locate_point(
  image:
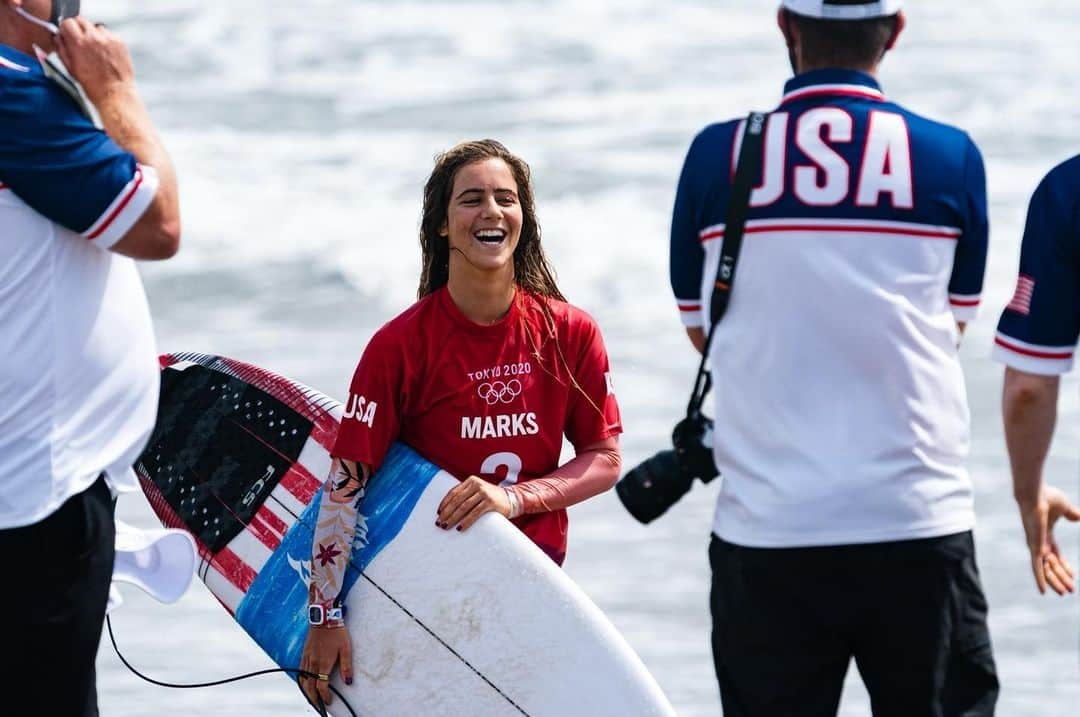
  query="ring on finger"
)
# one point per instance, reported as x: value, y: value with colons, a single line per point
x: 323, y: 677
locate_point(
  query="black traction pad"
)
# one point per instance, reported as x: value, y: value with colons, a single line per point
x: 219, y: 448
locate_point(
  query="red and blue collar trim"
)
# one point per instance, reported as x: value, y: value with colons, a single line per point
x: 832, y: 83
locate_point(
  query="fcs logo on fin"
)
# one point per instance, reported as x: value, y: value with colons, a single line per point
x: 257, y: 487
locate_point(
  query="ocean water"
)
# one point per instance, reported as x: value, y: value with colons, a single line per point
x: 303, y: 133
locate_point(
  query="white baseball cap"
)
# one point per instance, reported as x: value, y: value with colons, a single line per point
x: 844, y: 9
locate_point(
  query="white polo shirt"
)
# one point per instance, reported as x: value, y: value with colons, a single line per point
x: 841, y: 412
x: 78, y: 368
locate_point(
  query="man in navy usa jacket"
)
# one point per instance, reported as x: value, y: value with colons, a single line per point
x: 843, y: 529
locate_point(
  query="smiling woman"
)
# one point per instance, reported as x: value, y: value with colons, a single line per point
x: 467, y: 185
x: 483, y: 376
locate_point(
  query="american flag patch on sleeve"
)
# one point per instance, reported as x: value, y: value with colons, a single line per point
x: 1021, y: 301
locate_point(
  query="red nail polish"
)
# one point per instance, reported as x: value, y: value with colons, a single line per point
x: 459, y: 529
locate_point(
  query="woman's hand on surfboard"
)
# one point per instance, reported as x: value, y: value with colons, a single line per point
x: 470, y: 499
x: 324, y: 648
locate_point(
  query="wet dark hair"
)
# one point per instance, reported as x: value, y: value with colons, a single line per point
x: 851, y: 44
x: 532, y: 270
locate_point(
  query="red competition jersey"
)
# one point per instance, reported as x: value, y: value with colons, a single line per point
x: 490, y: 401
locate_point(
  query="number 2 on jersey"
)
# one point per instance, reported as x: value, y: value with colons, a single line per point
x: 512, y: 463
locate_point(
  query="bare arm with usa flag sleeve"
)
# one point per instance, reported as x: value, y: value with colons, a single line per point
x: 1036, y: 341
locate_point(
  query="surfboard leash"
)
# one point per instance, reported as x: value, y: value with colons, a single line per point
x: 320, y: 707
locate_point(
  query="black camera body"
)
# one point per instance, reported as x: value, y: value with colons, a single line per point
x: 657, y: 483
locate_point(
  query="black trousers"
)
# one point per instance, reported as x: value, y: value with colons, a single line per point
x: 788, y: 622
x: 57, y: 586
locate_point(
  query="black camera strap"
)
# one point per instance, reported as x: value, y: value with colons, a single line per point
x: 747, y: 171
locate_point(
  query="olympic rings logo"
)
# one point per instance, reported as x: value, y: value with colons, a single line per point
x: 499, y: 392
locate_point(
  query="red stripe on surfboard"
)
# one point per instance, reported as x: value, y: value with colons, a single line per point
x: 272, y: 521
x: 260, y: 528
x: 233, y: 568
x: 299, y: 481
x: 325, y: 432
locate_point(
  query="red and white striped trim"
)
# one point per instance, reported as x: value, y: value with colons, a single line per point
x: 690, y: 312
x: 126, y: 209
x: 1034, y: 350
x: 1033, y: 358
x: 687, y: 307
x: 965, y: 300
x: 861, y: 91
x: 839, y: 226
x: 965, y: 307
x: 6, y: 63
x: 716, y: 231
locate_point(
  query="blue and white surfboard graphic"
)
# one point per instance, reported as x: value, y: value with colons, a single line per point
x: 274, y: 610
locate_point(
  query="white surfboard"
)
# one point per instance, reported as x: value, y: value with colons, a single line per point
x: 448, y: 623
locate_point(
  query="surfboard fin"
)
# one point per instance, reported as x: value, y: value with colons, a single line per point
x: 159, y: 562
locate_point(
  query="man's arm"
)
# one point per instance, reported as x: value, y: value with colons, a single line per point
x: 102, y: 65
x: 1029, y: 410
x: 697, y: 337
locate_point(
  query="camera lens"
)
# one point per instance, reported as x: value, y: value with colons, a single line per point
x: 649, y: 489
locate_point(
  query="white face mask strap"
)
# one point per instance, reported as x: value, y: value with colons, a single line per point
x: 44, y: 24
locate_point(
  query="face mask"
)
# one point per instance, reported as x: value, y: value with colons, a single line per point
x: 61, y: 10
